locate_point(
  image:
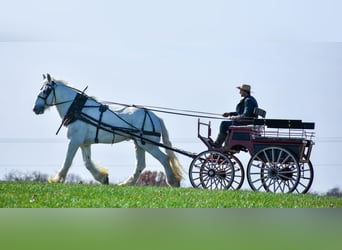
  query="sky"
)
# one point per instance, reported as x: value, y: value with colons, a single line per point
x: 179, y: 54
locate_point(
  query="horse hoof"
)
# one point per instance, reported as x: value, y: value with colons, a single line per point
x: 55, y: 179
x: 125, y: 184
x: 106, y: 181
x: 175, y: 184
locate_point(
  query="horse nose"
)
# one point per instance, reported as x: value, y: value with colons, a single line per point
x: 37, y: 110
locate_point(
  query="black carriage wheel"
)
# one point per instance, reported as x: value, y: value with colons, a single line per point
x: 239, y: 173
x: 273, y: 169
x: 306, y: 178
x: 211, y: 170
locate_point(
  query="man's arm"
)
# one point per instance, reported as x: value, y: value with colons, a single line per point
x: 227, y: 114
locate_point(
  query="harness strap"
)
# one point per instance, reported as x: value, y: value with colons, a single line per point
x: 143, y: 126
x: 103, y: 108
x: 147, y: 114
x: 111, y: 129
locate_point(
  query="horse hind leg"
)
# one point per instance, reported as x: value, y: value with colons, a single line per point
x: 140, y: 166
x: 100, y: 174
x: 171, y: 178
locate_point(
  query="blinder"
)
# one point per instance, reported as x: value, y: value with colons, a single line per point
x: 46, y: 92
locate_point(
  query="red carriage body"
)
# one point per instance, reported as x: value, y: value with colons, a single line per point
x: 280, y: 153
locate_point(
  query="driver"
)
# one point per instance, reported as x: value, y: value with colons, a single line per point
x: 244, y: 112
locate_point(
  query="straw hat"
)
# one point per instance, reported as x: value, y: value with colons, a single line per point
x: 245, y: 87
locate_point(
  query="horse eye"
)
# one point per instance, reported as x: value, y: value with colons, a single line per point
x: 46, y: 90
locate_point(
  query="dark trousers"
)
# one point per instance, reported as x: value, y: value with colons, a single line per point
x: 224, y: 127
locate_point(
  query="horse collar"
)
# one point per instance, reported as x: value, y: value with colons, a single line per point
x: 74, y: 110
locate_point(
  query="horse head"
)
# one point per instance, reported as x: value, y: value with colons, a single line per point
x: 46, y: 96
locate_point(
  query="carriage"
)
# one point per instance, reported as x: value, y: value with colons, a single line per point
x: 280, y: 149
x: 280, y: 152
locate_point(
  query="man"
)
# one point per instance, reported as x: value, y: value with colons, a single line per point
x: 242, y: 116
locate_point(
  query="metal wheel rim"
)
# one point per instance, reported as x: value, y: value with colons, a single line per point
x: 211, y: 170
x: 239, y: 173
x: 273, y: 169
x: 306, y: 178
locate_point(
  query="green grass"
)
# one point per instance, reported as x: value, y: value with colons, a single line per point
x: 166, y: 229
x: 44, y: 195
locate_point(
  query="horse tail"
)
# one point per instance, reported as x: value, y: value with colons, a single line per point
x: 175, y: 165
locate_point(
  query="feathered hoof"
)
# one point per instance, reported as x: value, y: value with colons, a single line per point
x: 126, y: 183
x: 55, y: 179
x: 103, y: 176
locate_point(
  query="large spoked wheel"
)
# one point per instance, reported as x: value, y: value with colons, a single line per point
x: 239, y: 173
x: 273, y: 169
x: 306, y: 178
x: 211, y: 170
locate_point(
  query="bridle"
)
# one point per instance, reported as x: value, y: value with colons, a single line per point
x: 51, y: 88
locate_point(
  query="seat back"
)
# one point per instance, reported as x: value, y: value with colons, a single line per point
x: 260, y: 112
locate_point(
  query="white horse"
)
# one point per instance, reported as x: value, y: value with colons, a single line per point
x: 88, y: 121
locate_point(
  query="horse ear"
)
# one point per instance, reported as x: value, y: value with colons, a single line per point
x: 48, y: 77
x: 44, y: 77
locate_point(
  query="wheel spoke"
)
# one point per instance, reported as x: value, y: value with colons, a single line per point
x: 286, y: 158
x: 279, y: 156
x: 273, y: 155
x: 264, y: 179
x: 266, y: 156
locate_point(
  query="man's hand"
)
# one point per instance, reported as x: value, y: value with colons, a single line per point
x: 226, y: 114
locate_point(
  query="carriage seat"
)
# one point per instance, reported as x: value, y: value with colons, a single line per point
x: 259, y: 112
x: 285, y: 124
x: 286, y: 128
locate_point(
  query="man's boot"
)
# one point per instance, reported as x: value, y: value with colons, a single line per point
x: 219, y: 140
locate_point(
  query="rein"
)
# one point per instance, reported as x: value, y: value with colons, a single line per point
x: 173, y: 111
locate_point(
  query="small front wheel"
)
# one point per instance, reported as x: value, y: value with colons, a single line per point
x: 211, y: 170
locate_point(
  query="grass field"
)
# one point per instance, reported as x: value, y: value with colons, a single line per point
x: 149, y: 229
x: 44, y: 195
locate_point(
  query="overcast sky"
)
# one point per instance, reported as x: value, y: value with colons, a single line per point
x: 180, y: 54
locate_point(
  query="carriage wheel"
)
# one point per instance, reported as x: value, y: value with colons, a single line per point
x: 273, y: 169
x: 239, y: 172
x: 306, y: 178
x: 211, y: 170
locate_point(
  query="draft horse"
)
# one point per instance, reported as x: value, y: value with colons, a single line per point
x: 89, y: 121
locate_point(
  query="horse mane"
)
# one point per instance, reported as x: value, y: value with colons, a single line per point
x: 65, y: 83
x: 62, y: 82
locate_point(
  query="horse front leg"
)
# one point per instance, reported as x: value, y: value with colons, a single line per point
x: 100, y: 174
x: 61, y: 174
